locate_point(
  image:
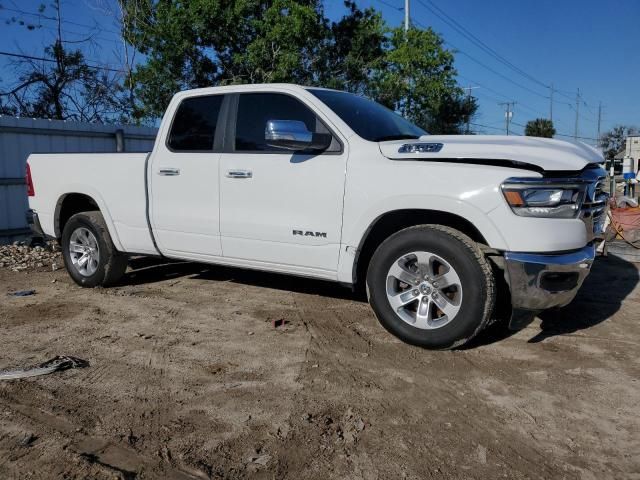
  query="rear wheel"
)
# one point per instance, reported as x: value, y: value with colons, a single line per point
x: 88, y: 251
x: 431, y: 286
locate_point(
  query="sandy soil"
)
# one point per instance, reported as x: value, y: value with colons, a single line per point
x: 190, y: 379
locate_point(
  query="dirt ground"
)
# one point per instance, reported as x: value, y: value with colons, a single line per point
x: 190, y: 379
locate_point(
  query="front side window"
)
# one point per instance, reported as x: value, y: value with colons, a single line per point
x: 194, y: 126
x: 256, y: 109
x: 368, y: 119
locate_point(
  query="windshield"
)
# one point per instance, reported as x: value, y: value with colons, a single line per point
x: 368, y: 119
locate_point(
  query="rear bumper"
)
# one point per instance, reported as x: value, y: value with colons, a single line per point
x: 542, y: 281
x: 34, y: 223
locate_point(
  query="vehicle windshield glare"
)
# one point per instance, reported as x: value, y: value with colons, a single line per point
x: 368, y: 119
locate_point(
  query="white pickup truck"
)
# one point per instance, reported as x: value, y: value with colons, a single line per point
x: 327, y: 184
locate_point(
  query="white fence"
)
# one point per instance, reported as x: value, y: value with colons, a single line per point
x: 20, y: 137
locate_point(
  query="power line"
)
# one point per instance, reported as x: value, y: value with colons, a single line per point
x: 504, y: 97
x: 485, y: 87
x: 87, y: 34
x: 466, y: 33
x: 524, y: 105
x: 496, y: 72
x: 44, y: 59
x: 442, y: 15
x: 46, y: 17
x: 560, y: 134
x: 494, y: 128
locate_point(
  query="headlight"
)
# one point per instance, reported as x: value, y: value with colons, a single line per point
x: 544, y: 200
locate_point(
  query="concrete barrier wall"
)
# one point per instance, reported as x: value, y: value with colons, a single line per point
x: 19, y: 137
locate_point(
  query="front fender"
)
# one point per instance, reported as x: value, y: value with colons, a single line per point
x: 355, y: 233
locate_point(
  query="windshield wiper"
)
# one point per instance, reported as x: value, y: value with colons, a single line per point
x: 395, y: 137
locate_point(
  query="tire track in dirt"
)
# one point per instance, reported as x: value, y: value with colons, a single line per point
x: 103, y: 452
x: 329, y: 395
x: 335, y: 339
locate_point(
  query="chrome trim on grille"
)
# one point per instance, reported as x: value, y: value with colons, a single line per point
x: 594, y: 208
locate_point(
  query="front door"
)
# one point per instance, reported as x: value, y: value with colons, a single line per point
x: 280, y: 207
x: 184, y: 182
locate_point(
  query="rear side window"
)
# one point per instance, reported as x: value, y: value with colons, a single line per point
x: 194, y: 126
x: 255, y: 109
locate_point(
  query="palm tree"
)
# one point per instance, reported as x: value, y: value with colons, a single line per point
x: 540, y: 127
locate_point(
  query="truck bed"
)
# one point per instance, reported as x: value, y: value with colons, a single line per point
x: 116, y: 181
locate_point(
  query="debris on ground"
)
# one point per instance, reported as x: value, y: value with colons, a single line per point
x: 624, y: 233
x: 27, y: 440
x: 20, y: 256
x: 262, y: 460
x: 281, y: 322
x: 56, y: 364
x: 625, y: 201
x: 22, y: 293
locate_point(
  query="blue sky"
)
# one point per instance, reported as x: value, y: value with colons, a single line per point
x: 588, y: 44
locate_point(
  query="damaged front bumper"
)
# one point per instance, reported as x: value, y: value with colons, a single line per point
x: 542, y: 281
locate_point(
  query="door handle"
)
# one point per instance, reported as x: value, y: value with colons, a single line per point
x: 239, y: 174
x: 169, y: 172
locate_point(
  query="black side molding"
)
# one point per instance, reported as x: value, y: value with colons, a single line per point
x: 495, y: 162
x: 146, y: 196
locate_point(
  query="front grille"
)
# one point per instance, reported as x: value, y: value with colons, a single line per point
x: 594, y: 208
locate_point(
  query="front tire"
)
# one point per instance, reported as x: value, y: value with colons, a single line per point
x: 88, y: 251
x: 431, y: 286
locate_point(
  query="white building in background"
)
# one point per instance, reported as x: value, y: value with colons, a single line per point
x: 631, y: 157
x: 633, y: 147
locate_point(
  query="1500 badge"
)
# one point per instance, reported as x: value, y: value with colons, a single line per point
x: 308, y: 233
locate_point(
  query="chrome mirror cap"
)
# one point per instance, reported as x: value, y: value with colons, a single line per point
x: 288, y: 134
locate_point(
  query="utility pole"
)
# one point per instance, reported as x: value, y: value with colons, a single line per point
x: 551, y: 103
x: 508, y: 114
x: 575, y: 133
x: 599, y: 121
x: 468, y: 89
x: 406, y: 16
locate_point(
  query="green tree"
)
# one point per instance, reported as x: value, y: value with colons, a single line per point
x: 213, y: 42
x: 61, y: 85
x: 540, y: 127
x: 285, y: 46
x: 417, y: 79
x: 353, y: 49
x: 615, y: 139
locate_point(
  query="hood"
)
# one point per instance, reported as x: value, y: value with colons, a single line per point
x: 542, y: 153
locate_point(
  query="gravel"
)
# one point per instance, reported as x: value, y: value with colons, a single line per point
x: 20, y: 256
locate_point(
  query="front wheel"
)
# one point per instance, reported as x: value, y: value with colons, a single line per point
x: 431, y: 286
x: 89, y: 254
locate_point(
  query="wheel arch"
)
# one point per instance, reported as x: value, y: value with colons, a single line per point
x: 393, y: 221
x: 71, y: 203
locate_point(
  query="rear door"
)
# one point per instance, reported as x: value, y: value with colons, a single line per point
x: 184, y: 180
x: 280, y: 207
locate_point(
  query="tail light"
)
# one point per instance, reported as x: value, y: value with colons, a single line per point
x: 30, y: 190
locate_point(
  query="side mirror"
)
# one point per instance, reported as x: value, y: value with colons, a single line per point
x: 293, y: 135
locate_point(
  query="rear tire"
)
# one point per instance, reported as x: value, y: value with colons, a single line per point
x: 449, y: 292
x: 88, y: 251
